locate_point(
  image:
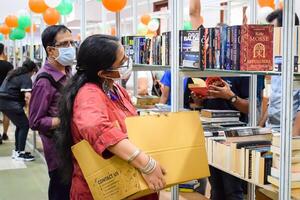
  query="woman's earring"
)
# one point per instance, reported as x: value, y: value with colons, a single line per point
x: 105, y: 86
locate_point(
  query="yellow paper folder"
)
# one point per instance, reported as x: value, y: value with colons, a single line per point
x: 175, y: 140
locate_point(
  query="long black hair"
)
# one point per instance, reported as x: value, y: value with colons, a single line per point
x: 97, y: 52
x: 27, y: 66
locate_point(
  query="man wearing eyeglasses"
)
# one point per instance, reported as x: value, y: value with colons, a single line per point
x: 59, y: 46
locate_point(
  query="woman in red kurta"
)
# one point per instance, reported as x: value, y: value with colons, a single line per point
x: 94, y: 108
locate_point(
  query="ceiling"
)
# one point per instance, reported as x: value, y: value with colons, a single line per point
x: 11, y: 7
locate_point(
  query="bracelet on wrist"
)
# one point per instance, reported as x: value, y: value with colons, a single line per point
x: 150, y: 167
x: 134, y: 156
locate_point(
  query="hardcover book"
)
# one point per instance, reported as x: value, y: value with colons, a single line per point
x: 203, y: 47
x: 189, y: 54
x: 219, y: 113
x: 228, y: 61
x: 167, y: 36
x: 236, y: 47
x: 210, y: 54
x: 128, y: 43
x: 223, y: 41
x: 217, y: 43
x: 256, y: 48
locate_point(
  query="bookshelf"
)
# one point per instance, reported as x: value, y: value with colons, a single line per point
x: 268, y: 187
x: 144, y: 67
x: 289, y: 80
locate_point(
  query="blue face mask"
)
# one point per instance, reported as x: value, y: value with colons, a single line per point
x: 66, y: 56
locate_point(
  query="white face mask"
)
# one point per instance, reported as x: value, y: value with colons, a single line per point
x: 66, y: 56
x: 124, y: 71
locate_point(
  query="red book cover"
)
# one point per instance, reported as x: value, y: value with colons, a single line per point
x: 256, y: 48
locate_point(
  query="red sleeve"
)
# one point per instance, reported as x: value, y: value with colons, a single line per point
x: 91, y: 117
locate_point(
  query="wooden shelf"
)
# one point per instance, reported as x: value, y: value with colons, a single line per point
x: 268, y: 187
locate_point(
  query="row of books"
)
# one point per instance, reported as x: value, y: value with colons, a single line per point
x: 246, y: 48
x: 223, y: 118
x: 295, y: 166
x: 278, y: 44
x: 153, y: 51
x: 244, y: 151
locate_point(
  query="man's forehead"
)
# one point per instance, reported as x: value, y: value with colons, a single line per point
x: 64, y: 36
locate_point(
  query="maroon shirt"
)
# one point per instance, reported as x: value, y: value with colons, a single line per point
x: 43, y: 107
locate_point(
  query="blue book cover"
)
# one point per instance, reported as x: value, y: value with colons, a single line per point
x: 228, y: 62
x: 136, y: 50
x: 189, y: 48
x: 236, y: 47
x: 142, y: 41
x: 223, y: 41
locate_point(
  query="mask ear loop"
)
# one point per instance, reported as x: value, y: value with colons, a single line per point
x: 52, y: 56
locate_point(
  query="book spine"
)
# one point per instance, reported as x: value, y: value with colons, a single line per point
x: 268, y: 167
x: 296, y: 64
x: 201, y: 48
x: 154, y: 51
x: 213, y: 115
x: 244, y: 46
x: 236, y: 34
x: 217, y: 48
x: 223, y: 35
x: 169, y: 47
x: 181, y: 35
x: 208, y: 58
x: 160, y: 50
x: 211, y: 49
x: 142, y: 50
x: 136, y: 50
x: 228, y: 63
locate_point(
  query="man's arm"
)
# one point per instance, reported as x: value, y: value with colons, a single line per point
x: 40, y: 101
x: 165, y: 94
x: 226, y: 93
x: 195, y: 13
x: 263, y: 119
x: 296, y: 127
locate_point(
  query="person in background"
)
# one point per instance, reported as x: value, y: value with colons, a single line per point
x: 94, y: 108
x: 195, y: 14
x: 14, y: 95
x: 5, y: 67
x: 43, y: 111
x: 166, y: 90
x: 144, y: 86
x: 272, y: 117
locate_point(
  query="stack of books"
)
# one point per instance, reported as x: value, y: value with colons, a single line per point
x: 146, y: 101
x: 295, y: 165
x: 219, y: 117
